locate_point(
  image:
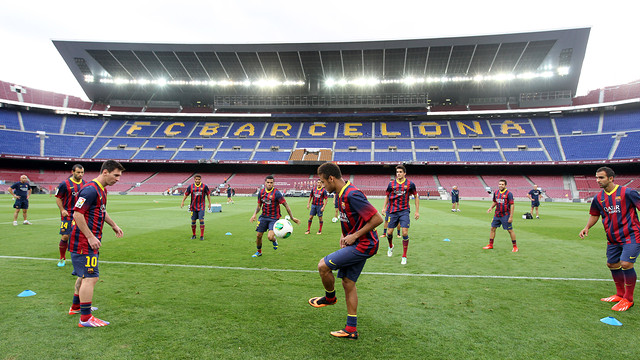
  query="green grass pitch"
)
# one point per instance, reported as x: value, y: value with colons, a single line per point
x: 169, y: 297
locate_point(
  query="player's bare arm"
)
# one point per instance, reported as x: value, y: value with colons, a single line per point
x: 286, y: 206
x: 324, y: 203
x: 13, y: 194
x: 183, y: 198
x: 63, y: 211
x: 81, y: 223
x: 374, y: 222
x: 417, y: 199
x: 492, y: 206
x: 513, y: 206
x: 592, y: 221
x: 384, y: 206
x: 114, y: 226
x: 29, y: 194
x: 309, y: 202
x: 209, y: 197
x: 253, y: 217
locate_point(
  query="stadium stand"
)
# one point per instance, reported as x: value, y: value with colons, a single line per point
x: 469, y: 185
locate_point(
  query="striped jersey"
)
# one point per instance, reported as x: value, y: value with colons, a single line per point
x: 270, y: 202
x: 68, y: 191
x: 503, y: 200
x: 318, y: 196
x: 92, y: 204
x: 399, y: 194
x: 198, y: 194
x: 355, y: 210
x: 619, y: 216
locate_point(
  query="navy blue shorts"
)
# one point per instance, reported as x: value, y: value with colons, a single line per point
x: 504, y: 221
x: 535, y: 203
x: 21, y: 204
x: 265, y: 223
x: 85, y: 266
x: 316, y: 210
x: 454, y: 200
x: 348, y: 261
x: 624, y: 252
x: 65, y: 227
x: 401, y: 217
x: 197, y: 214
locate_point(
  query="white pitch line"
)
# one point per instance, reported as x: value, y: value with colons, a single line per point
x: 313, y: 271
x: 58, y: 217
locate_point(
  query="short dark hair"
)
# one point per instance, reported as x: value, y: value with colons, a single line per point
x: 607, y: 170
x: 503, y: 180
x: 329, y: 169
x: 404, y: 169
x: 76, y: 166
x: 197, y: 175
x: 111, y: 165
x: 268, y: 177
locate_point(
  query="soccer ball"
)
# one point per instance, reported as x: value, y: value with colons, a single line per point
x: 283, y: 228
x: 334, y: 220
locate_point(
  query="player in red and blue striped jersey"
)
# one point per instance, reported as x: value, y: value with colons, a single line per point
x: 66, y: 198
x: 198, y: 191
x: 317, y: 202
x: 617, y: 205
x: 396, y: 203
x: 85, y: 240
x: 269, y: 200
x: 359, y: 241
x: 504, y: 205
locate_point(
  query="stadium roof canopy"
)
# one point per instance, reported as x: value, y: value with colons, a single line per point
x: 457, y: 69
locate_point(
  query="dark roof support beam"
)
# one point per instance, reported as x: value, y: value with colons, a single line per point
x: 203, y: 67
x: 520, y: 57
x: 281, y: 66
x: 181, y: 64
x: 164, y: 67
x: 471, y: 60
x: 426, y: 61
x: 494, y: 58
x: 246, y: 76
x: 222, y: 65
x: 119, y: 63
x: 446, y: 69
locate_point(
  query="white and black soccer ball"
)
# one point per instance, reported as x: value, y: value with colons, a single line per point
x: 283, y: 228
x: 334, y: 220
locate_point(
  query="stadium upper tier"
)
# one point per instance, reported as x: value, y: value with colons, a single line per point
x: 595, y: 135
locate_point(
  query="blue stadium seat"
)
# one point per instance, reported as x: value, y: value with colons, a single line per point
x: 271, y: 155
x: 193, y: 155
x: 621, y: 121
x: 480, y: 156
x: 49, y: 123
x: 66, y: 145
x: 9, y: 119
x: 551, y: 144
x: 543, y: 126
x: 587, y: 123
x: 587, y: 147
x: 392, y: 156
x: 525, y: 155
x: 352, y: 156
x: 87, y: 125
x: 154, y: 154
x: 115, y: 154
x: 233, y: 155
x: 19, y: 143
x: 316, y: 130
x: 629, y: 146
x: 435, y: 156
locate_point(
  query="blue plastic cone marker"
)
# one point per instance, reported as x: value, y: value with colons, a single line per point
x: 446, y: 240
x: 228, y: 233
x: 611, y: 321
x: 26, y: 293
